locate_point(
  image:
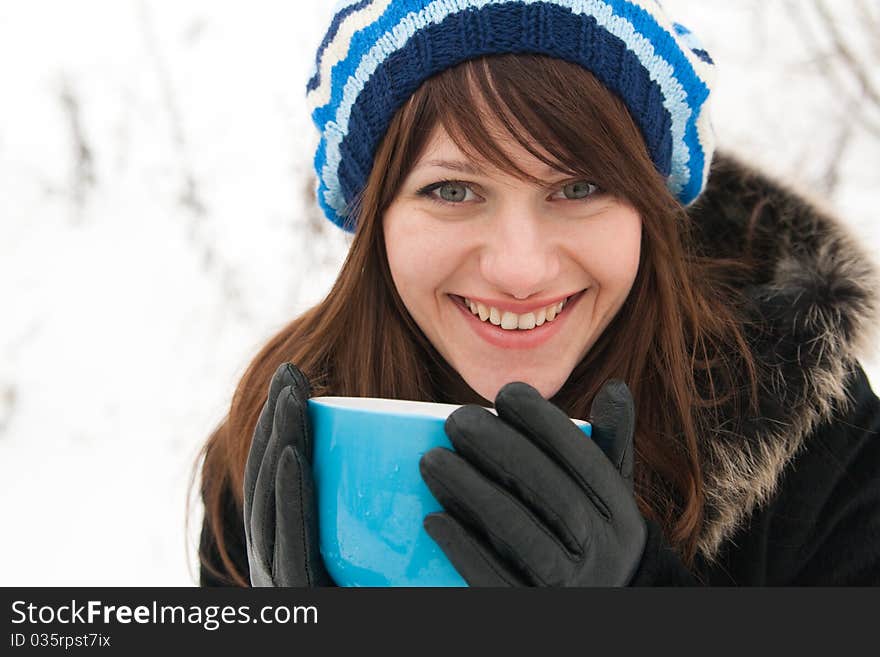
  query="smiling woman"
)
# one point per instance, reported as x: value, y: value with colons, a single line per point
x: 508, y: 237
x: 526, y: 234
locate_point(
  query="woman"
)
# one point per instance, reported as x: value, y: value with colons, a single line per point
x: 540, y: 223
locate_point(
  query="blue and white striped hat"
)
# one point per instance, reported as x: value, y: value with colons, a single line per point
x: 376, y: 53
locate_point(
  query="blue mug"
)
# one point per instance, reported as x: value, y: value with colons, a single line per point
x: 370, y: 494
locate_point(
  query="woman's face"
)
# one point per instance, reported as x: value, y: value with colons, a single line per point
x: 517, y: 249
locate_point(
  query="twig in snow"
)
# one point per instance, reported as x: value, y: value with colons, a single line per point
x: 83, y: 159
x: 190, y: 196
x: 8, y: 404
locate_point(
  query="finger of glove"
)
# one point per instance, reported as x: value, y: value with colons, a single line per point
x: 474, y: 561
x: 515, y: 533
x: 548, y: 427
x: 285, y: 375
x: 297, y: 560
x: 290, y: 427
x: 508, y: 458
x: 613, y: 419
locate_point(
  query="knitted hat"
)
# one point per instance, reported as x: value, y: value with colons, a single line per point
x: 376, y: 53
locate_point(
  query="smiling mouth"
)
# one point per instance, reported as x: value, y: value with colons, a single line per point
x: 514, y: 321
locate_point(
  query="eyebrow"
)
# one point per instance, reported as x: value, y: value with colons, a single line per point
x: 471, y: 169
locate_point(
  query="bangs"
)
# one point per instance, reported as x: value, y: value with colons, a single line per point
x: 557, y: 111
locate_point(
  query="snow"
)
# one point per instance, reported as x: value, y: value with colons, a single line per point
x: 154, y: 162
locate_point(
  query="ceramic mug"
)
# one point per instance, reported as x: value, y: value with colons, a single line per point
x: 370, y: 494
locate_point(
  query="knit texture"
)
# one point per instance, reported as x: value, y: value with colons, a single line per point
x: 376, y: 53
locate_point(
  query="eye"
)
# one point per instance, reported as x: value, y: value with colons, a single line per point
x: 580, y: 189
x: 449, y: 191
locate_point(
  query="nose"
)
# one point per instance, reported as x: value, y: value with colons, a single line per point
x: 520, y: 256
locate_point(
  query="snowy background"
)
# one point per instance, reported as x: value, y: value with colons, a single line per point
x: 156, y: 228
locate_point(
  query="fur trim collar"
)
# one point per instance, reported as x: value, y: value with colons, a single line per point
x: 814, y: 299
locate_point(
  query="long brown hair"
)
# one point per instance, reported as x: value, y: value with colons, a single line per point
x: 677, y: 341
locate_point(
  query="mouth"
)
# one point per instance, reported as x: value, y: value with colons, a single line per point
x: 518, y: 338
x: 460, y: 300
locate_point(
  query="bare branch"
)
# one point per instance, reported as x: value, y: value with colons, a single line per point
x: 841, y: 46
x: 190, y: 196
x: 846, y: 132
x: 83, y: 158
x: 833, y: 75
x: 871, y: 24
x: 8, y: 405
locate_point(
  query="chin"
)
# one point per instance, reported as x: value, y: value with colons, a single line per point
x: 547, y: 387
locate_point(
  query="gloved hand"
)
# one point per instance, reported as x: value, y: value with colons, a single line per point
x: 529, y: 500
x: 280, y: 516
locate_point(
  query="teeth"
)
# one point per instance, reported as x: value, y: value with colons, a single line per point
x: 512, y: 321
x: 509, y: 320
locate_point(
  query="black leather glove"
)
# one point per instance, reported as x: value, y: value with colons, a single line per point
x: 529, y: 500
x: 280, y: 517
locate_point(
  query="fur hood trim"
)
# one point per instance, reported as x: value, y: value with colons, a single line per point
x: 814, y: 297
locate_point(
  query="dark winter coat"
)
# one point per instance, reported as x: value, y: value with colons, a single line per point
x: 793, y: 495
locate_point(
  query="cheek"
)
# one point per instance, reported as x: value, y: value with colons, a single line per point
x: 610, y: 251
x: 399, y: 244
x: 419, y: 256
